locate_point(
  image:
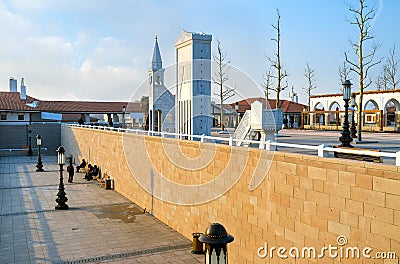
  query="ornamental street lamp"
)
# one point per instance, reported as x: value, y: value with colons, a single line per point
x: 215, y: 239
x: 61, y: 198
x: 123, y: 115
x: 346, y: 139
x: 39, y: 165
x: 30, y: 152
x: 353, y: 129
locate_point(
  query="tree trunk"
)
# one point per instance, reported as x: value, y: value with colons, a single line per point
x: 221, y: 115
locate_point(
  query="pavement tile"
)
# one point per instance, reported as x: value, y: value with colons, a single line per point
x: 93, y: 229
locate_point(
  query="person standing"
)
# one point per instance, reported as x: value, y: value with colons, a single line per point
x: 70, y: 170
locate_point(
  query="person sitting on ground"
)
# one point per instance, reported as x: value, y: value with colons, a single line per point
x: 89, y: 173
x: 81, y: 166
x: 96, y: 171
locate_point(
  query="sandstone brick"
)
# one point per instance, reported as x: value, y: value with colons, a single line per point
x: 350, y: 219
x: 306, y: 230
x: 306, y: 183
x: 301, y: 170
x: 355, y: 207
x: 391, y: 175
x: 332, y: 176
x: 375, y: 172
x: 293, y: 180
x: 283, y: 188
x: 328, y: 213
x: 286, y: 167
x: 367, y: 196
x: 386, y: 185
x: 310, y: 207
x: 319, y: 198
x: 294, y: 236
x: 379, y: 213
x: 385, y: 230
x: 364, y: 181
x: 293, y: 213
x: 383, y: 167
x: 337, y: 189
x: 316, y: 173
x: 286, y: 222
x: 397, y: 218
x: 337, y: 202
x: 356, y: 169
x: 299, y: 193
x: 357, y: 234
x: 393, y: 201
x: 285, y: 200
x: 318, y: 185
x: 296, y: 203
x: 338, y: 228
x: 347, y: 178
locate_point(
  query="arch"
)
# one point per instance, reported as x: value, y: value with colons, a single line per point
x: 371, y: 105
x: 391, y: 110
x: 318, y: 107
x: 319, y: 117
x: 333, y: 116
x: 333, y: 106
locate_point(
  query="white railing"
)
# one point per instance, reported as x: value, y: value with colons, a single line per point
x: 321, y: 149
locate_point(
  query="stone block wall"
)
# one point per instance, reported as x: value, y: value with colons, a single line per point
x: 303, y: 201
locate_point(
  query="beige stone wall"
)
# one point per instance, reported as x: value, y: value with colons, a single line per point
x: 303, y: 201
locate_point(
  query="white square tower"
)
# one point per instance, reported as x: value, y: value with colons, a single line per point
x: 193, y: 82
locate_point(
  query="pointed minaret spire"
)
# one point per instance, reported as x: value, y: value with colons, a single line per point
x: 156, y: 62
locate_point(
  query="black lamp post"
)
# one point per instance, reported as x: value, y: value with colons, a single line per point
x: 346, y: 139
x: 215, y: 239
x: 123, y: 115
x: 39, y: 165
x: 353, y: 129
x: 30, y: 152
x: 61, y: 198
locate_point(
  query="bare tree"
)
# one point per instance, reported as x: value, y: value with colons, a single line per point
x: 310, y: 75
x: 391, y: 69
x: 267, y: 85
x: 381, y: 81
x: 276, y: 62
x: 220, y: 77
x: 363, y: 17
x: 344, y: 72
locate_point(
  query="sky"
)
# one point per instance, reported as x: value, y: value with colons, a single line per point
x: 100, y: 50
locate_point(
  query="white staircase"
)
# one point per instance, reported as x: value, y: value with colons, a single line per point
x: 259, y: 121
x: 243, y: 128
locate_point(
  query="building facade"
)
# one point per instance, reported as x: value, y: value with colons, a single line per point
x: 193, y: 83
x: 380, y: 111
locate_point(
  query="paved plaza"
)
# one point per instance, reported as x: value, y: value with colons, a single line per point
x: 101, y: 226
x: 387, y: 142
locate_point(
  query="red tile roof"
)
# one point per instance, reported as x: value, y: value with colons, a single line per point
x: 365, y: 92
x: 11, y: 101
x: 287, y: 106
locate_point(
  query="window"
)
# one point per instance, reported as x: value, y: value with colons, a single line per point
x: 3, y: 116
x: 20, y: 117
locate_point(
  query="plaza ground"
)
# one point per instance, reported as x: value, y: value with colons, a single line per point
x: 101, y: 226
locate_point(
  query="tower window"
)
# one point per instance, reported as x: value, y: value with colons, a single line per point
x: 3, y: 116
x: 20, y: 117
